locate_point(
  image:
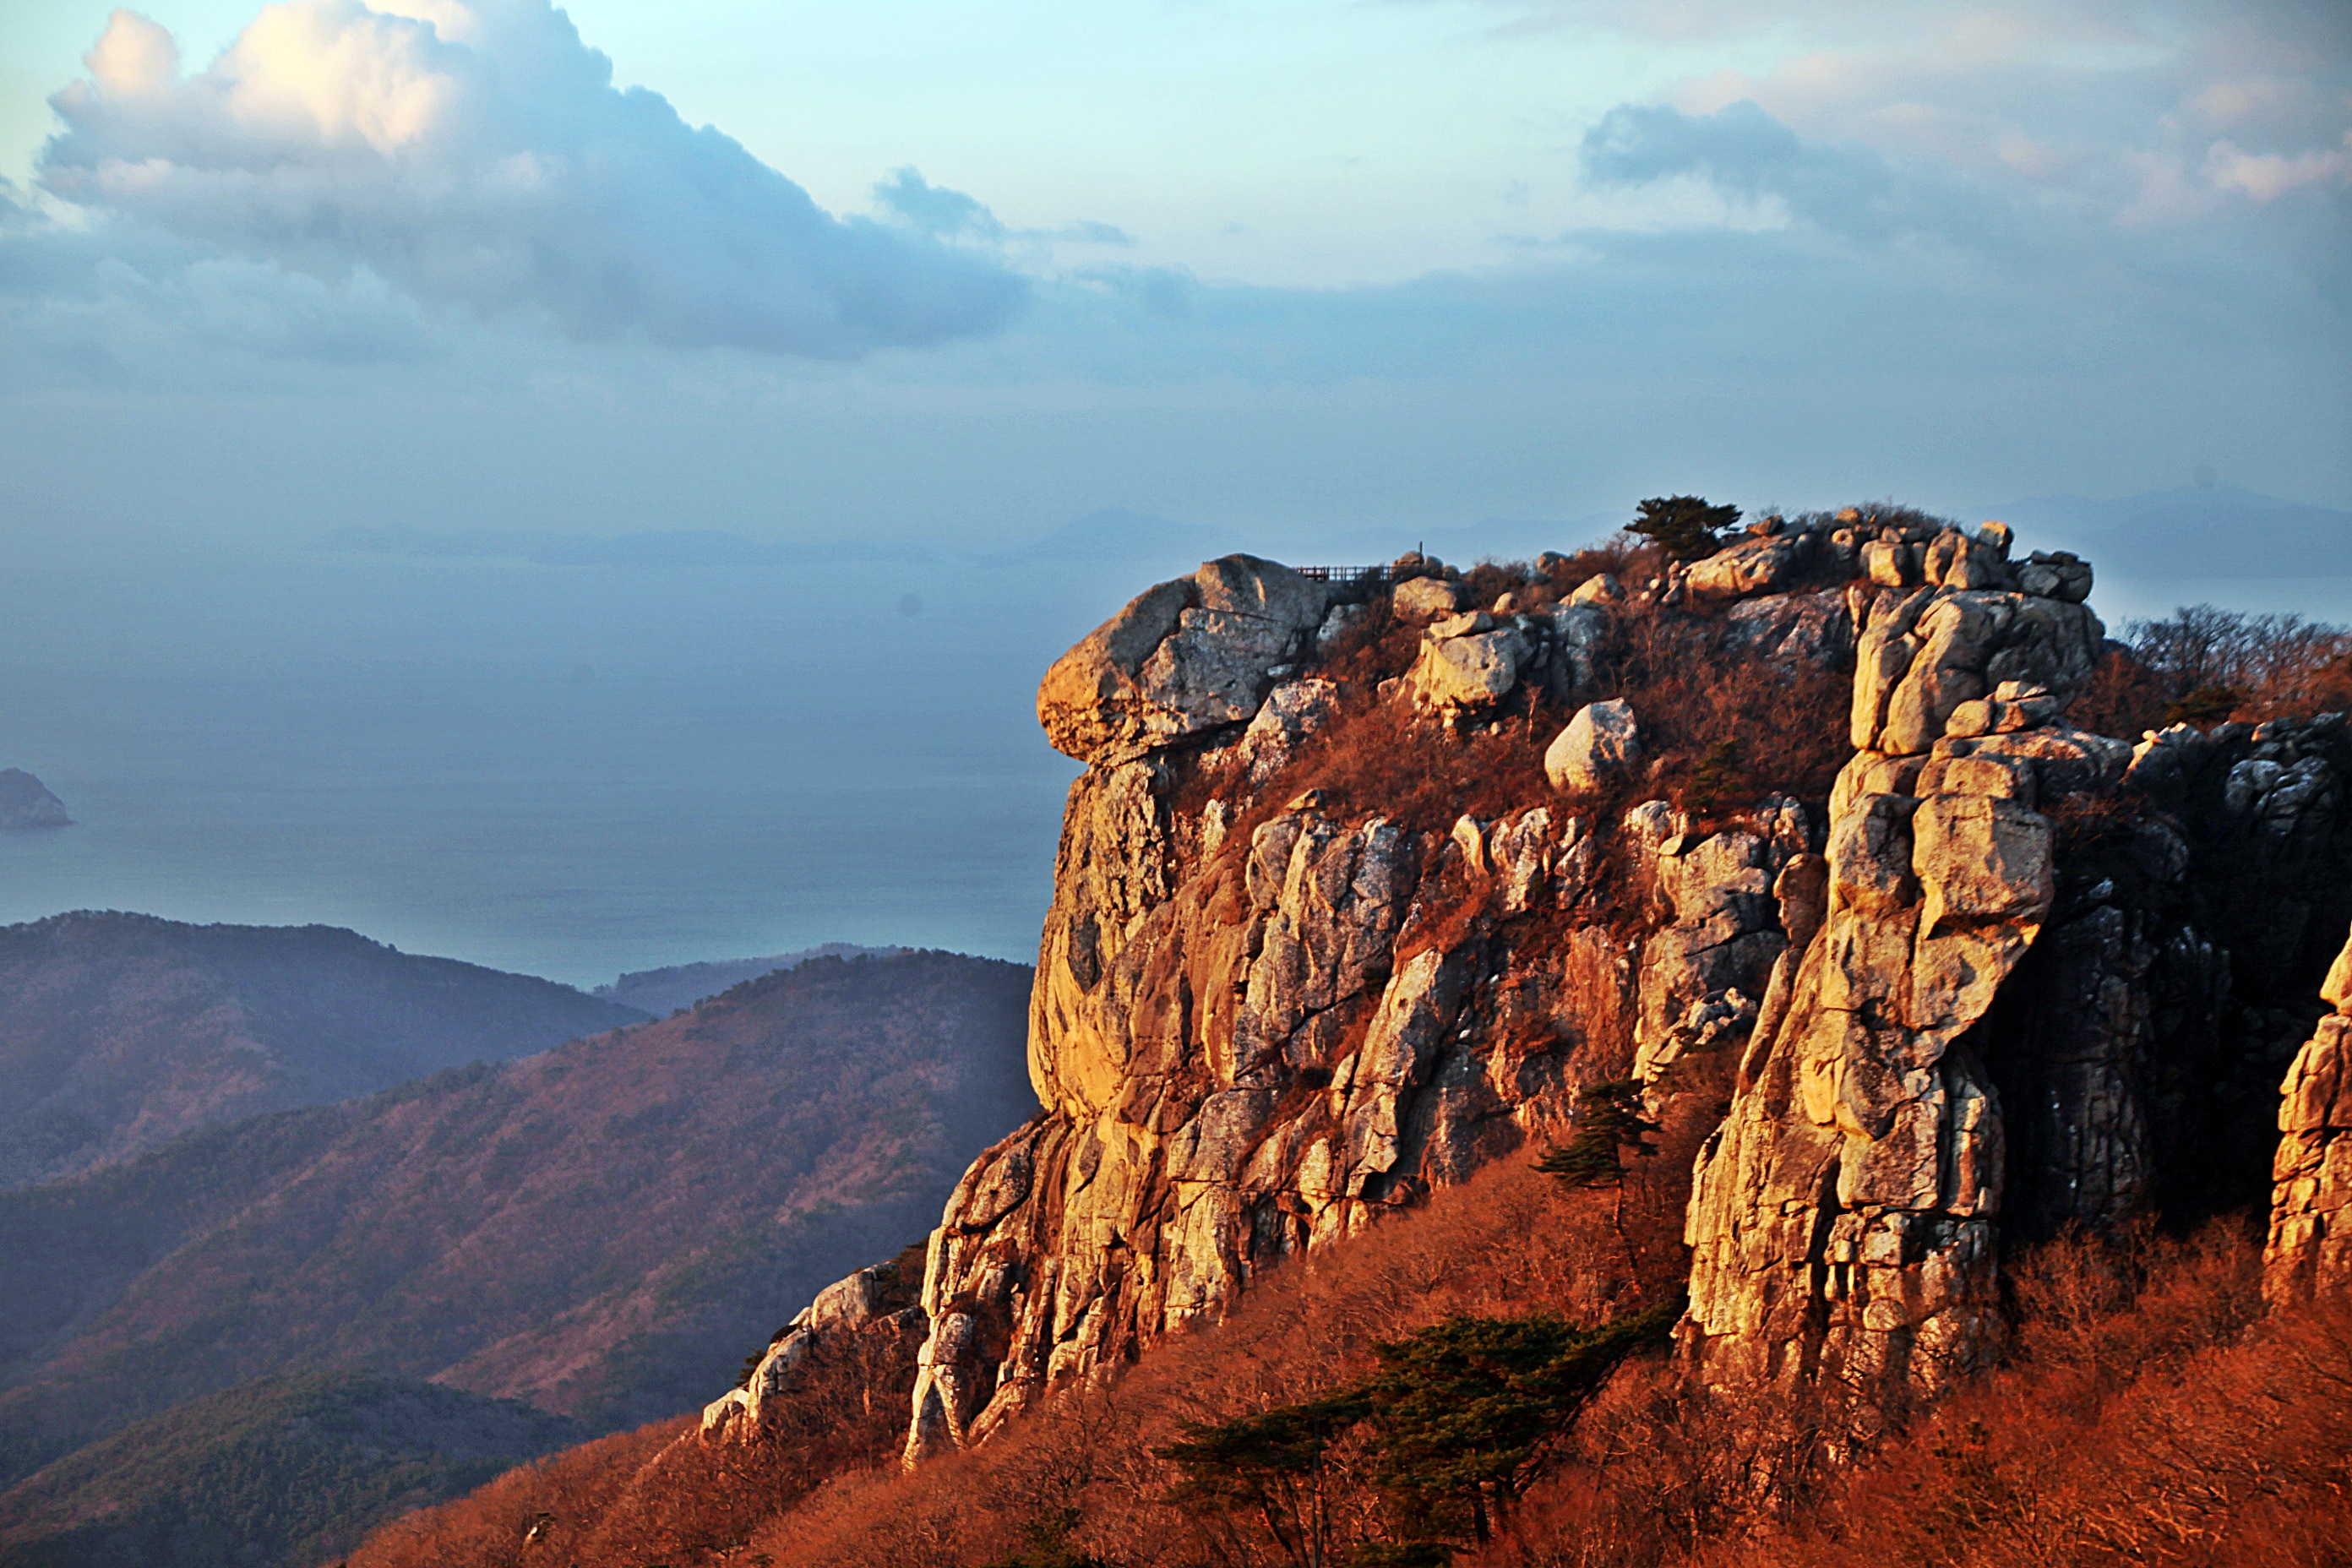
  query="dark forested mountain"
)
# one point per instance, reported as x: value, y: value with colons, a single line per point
x: 658, y: 992
x: 282, y: 1472
x: 604, y: 1229
x: 119, y: 1032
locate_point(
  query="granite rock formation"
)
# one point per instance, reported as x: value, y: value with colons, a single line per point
x: 2001, y: 976
x: 1843, y: 1221
x: 2310, y: 1250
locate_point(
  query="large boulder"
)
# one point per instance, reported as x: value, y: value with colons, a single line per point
x: 1757, y: 565
x: 1598, y: 748
x: 1798, y: 631
x: 1468, y: 663
x: 2310, y: 1248
x: 1423, y: 598
x: 1182, y: 658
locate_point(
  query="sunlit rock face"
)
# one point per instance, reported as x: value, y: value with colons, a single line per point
x: 1185, y: 656
x: 2003, y: 976
x: 1845, y: 1219
x: 1258, y: 1025
x: 2310, y: 1248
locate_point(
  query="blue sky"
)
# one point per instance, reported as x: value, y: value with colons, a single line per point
x: 924, y: 272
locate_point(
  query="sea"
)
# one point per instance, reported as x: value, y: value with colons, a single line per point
x: 564, y: 770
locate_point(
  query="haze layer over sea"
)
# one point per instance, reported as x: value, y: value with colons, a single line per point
x: 566, y: 770
x: 574, y: 757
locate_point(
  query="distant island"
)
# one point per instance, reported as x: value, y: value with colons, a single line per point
x: 26, y: 802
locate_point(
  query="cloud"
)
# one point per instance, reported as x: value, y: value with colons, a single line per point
x: 950, y: 215
x: 2266, y: 177
x: 474, y: 153
x: 2132, y: 115
x: 1744, y: 152
x: 107, y: 302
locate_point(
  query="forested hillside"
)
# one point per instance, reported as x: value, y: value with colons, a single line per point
x: 604, y: 1229
x: 119, y: 1032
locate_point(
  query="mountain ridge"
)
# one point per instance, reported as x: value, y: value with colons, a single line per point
x: 120, y: 1031
x: 548, y: 1230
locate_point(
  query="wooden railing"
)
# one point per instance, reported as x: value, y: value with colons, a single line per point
x: 1343, y: 574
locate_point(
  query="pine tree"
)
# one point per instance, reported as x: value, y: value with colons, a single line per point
x: 1686, y: 526
x: 1719, y: 778
x: 1609, y: 1120
x: 1273, y: 1464
x: 1463, y: 1410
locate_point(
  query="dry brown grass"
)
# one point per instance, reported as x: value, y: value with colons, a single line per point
x: 661, y: 1494
x: 2146, y: 1415
x: 1790, y: 726
x: 1081, y: 1468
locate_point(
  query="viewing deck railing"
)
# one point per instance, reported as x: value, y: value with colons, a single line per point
x: 1343, y: 574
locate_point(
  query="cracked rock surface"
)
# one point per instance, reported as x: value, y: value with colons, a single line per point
x: 2010, y: 977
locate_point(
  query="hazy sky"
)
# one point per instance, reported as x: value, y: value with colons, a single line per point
x: 913, y: 269
x: 933, y: 282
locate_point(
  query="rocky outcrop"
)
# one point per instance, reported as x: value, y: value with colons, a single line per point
x: 1311, y: 1026
x: 870, y: 1314
x: 26, y: 802
x: 1183, y: 657
x: 2310, y: 1248
x: 1843, y: 1220
x: 1998, y: 981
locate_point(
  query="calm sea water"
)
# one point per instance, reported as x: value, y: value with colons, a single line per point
x: 567, y: 772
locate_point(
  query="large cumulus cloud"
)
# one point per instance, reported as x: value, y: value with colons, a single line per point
x: 476, y: 153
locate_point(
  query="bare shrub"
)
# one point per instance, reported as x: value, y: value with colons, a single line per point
x: 1693, y: 695
x: 2207, y: 664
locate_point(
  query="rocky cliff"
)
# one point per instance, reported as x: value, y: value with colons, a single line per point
x: 2310, y: 1250
x: 1365, y: 881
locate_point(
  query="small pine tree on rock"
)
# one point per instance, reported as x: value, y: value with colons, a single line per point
x: 1719, y: 779
x: 1610, y: 1120
x: 1686, y: 527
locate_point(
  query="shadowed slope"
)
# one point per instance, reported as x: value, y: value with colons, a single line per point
x: 603, y: 1229
x: 279, y: 1473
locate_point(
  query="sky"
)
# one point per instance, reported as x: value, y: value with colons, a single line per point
x: 922, y: 271
x: 594, y: 488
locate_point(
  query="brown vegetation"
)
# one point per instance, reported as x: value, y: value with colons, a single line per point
x: 2203, y: 665
x: 602, y: 1229
x: 1693, y: 696
x: 2146, y: 1415
x: 1720, y: 726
